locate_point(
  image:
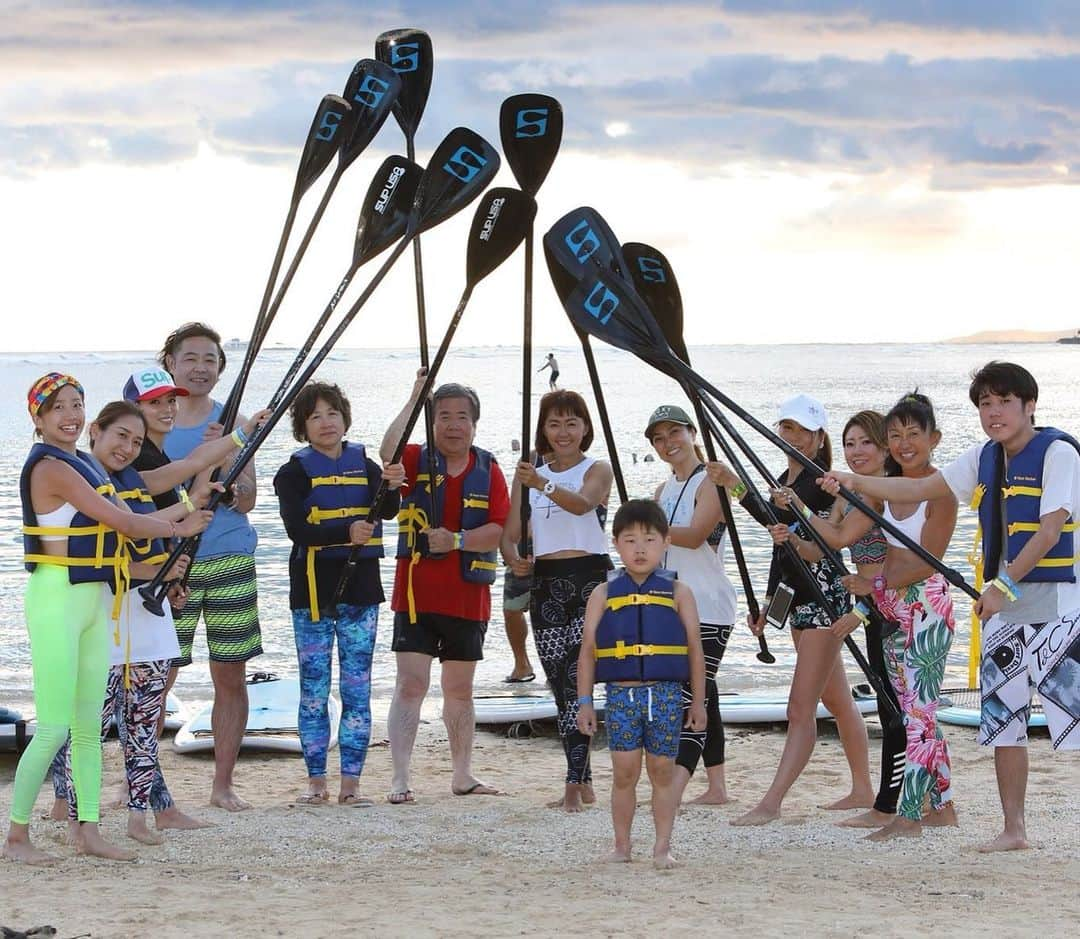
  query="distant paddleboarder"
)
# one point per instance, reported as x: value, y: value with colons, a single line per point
x: 553, y: 364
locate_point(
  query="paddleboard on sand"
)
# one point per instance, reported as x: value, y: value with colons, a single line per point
x: 514, y: 708
x: 961, y: 706
x: 273, y: 704
x: 15, y: 732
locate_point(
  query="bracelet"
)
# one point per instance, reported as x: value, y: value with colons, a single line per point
x: 804, y: 511
x: 1008, y: 592
x: 862, y: 612
x: 1010, y: 583
x: 879, y: 587
x: 172, y: 530
x: 738, y: 490
x: 584, y: 699
x: 239, y: 437
x: 459, y: 540
x: 185, y: 500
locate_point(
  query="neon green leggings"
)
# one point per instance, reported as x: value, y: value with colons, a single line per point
x: 69, y: 651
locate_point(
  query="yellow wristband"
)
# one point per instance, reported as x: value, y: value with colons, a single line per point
x: 738, y: 490
x: 185, y: 500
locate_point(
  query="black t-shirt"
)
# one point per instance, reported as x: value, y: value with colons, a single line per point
x: 151, y: 458
x: 293, y: 486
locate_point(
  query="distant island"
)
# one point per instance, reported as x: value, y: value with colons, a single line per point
x: 1013, y: 335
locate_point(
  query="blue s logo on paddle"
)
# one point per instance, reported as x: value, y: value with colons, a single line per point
x: 405, y: 57
x: 601, y: 303
x: 531, y: 122
x: 652, y: 271
x: 465, y: 164
x: 582, y: 243
x: 371, y: 91
x: 328, y: 125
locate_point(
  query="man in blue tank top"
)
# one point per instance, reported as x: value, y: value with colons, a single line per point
x: 222, y: 589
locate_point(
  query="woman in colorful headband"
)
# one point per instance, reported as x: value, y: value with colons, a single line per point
x: 73, y: 534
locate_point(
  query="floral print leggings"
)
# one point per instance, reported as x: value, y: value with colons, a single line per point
x: 915, y: 657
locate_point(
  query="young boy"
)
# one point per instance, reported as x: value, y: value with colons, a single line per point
x: 642, y: 637
x: 1025, y: 484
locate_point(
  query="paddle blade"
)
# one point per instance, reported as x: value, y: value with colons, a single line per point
x: 331, y: 119
x: 502, y: 218
x: 530, y: 127
x: 460, y: 169
x: 408, y: 52
x: 387, y: 207
x: 371, y: 90
x: 579, y: 240
x: 654, y: 280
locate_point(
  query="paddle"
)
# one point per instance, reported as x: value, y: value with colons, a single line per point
x: 604, y: 305
x: 442, y: 191
x: 408, y: 52
x: 530, y: 128
x: 653, y: 278
x: 502, y: 220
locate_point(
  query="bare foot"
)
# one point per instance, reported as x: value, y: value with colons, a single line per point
x: 853, y: 800
x: 871, y: 819
x: 89, y: 841
x: 573, y: 799
x: 899, y: 827
x: 945, y: 817
x: 756, y: 816
x: 712, y: 797
x: 663, y: 861
x: 137, y: 830
x: 58, y: 812
x: 228, y: 800
x: 1006, y: 841
x: 119, y: 797
x: 25, y: 853
x: 172, y: 817
x: 588, y: 794
x: 620, y: 855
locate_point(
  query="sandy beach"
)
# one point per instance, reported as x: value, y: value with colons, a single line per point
x: 508, y: 866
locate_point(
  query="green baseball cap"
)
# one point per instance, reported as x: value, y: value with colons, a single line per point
x: 671, y: 413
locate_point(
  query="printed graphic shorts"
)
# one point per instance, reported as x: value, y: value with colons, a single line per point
x: 648, y: 716
x: 223, y: 592
x: 1019, y: 658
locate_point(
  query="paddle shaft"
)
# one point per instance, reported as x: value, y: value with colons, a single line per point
x: 526, y: 387
x: 605, y: 422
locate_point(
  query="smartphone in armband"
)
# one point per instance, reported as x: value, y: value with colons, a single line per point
x: 780, y: 606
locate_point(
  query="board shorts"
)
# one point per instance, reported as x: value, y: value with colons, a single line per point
x: 645, y: 716
x: 447, y: 638
x: 1019, y: 658
x: 516, y: 592
x: 224, y: 593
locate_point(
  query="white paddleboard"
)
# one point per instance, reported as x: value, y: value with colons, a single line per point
x: 513, y: 708
x: 273, y: 704
x: 9, y: 721
x: 961, y: 707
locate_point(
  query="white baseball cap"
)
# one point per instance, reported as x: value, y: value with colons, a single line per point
x: 149, y: 383
x: 805, y: 411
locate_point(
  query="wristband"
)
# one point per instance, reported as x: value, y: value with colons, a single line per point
x: 804, y: 511
x: 172, y: 530
x: 1011, y: 584
x: 738, y: 490
x: 459, y: 540
x: 879, y: 587
x: 1004, y: 588
x: 584, y: 699
x: 862, y: 612
x: 185, y: 500
x: 239, y: 437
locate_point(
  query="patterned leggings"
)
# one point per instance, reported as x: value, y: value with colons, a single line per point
x: 137, y: 711
x: 915, y: 656
x: 355, y: 629
x: 561, y: 587
x: 707, y: 744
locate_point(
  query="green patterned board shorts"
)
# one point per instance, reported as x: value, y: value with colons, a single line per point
x: 223, y: 591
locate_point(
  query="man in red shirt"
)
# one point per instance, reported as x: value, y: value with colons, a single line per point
x: 446, y: 564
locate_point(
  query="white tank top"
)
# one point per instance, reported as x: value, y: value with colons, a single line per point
x: 57, y: 518
x: 911, y: 526
x: 700, y: 568
x: 555, y: 529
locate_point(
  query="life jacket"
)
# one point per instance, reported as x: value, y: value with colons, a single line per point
x: 640, y: 637
x: 94, y: 551
x: 477, y: 567
x: 339, y: 490
x: 1019, y: 480
x: 131, y: 487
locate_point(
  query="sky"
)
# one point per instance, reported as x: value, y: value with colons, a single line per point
x: 815, y: 170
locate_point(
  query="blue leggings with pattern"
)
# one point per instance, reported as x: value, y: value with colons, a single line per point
x: 355, y: 628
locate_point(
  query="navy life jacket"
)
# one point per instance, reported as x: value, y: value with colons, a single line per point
x: 1018, y: 480
x: 640, y: 636
x: 131, y: 487
x: 340, y: 491
x: 93, y: 550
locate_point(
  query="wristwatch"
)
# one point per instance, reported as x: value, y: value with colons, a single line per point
x: 549, y: 487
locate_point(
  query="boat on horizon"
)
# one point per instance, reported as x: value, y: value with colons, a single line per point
x: 1070, y: 340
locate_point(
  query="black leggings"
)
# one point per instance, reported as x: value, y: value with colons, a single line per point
x: 560, y: 589
x: 893, y: 734
x: 706, y: 745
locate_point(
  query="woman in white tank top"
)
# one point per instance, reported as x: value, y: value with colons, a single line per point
x: 694, y: 513
x: 568, y: 497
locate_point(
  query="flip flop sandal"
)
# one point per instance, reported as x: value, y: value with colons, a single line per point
x: 312, y: 798
x: 511, y: 680
x: 401, y: 798
x: 353, y: 800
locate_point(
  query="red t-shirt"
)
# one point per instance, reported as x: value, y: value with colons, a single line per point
x: 437, y: 583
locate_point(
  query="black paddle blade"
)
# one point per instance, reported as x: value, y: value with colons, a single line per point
x: 371, y: 90
x: 387, y: 207
x: 460, y: 169
x: 530, y: 127
x: 581, y: 240
x: 331, y: 119
x: 408, y: 52
x: 654, y: 280
x: 501, y: 221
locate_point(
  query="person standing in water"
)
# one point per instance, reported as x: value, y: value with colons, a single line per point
x: 553, y: 364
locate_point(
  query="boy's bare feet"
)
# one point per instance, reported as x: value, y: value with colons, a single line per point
x: 871, y: 819
x: 899, y: 827
x: 88, y: 840
x: 137, y: 830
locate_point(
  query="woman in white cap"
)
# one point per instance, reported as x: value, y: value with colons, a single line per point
x: 696, y: 553
x: 819, y: 671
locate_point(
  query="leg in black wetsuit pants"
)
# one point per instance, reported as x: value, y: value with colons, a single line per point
x: 893, y: 735
x: 708, y: 744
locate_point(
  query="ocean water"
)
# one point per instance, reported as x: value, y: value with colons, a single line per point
x: 847, y: 378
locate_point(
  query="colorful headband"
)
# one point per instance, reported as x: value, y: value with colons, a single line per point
x: 47, y: 385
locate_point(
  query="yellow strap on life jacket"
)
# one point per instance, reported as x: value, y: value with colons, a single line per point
x: 313, y: 592
x: 475, y: 503
x: 1014, y: 527
x: 639, y: 599
x: 317, y: 516
x: 1007, y: 491
x: 128, y: 494
x: 977, y: 497
x: 414, y: 520
x: 621, y: 650
x: 338, y: 481
x: 483, y: 565
x: 1057, y: 562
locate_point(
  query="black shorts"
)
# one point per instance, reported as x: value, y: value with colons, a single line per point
x: 447, y: 638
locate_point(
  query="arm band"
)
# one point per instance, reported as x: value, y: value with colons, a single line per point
x: 804, y: 510
x: 1011, y: 584
x: 185, y: 500
x: 584, y: 699
x: 239, y: 437
x: 738, y: 490
x: 862, y: 613
x: 459, y: 540
x: 1004, y: 588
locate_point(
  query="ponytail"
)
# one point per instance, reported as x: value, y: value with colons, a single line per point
x: 823, y: 457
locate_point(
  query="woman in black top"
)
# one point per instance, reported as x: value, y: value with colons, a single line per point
x: 819, y: 671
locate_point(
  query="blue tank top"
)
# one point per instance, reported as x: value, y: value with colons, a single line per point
x: 230, y: 533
